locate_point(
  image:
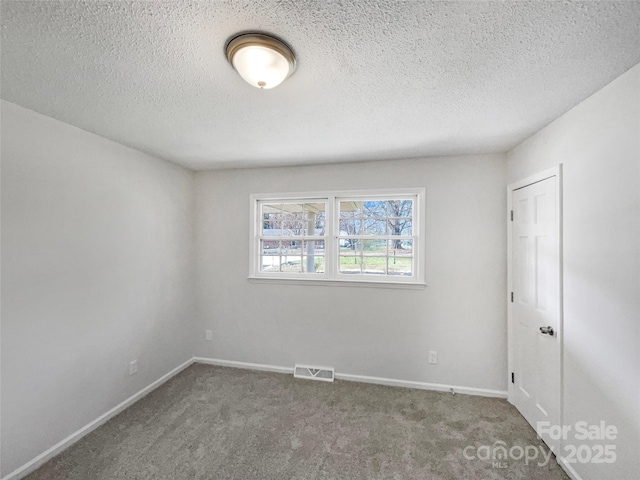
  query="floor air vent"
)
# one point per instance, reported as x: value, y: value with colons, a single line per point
x: 323, y: 374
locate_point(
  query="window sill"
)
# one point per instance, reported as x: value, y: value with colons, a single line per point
x: 337, y: 283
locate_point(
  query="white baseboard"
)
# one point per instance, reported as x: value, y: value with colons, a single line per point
x: 247, y: 366
x: 360, y: 378
x: 568, y: 469
x: 482, y: 392
x: 47, y: 455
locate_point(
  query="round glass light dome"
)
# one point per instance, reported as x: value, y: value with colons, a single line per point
x: 262, y: 61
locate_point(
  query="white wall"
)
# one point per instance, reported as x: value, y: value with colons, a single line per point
x: 598, y: 142
x: 96, y: 271
x: 378, y: 332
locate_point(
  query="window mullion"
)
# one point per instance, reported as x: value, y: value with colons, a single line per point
x: 330, y: 248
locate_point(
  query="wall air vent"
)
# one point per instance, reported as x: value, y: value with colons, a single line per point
x: 323, y: 374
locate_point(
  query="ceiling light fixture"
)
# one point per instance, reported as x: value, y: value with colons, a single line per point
x: 261, y: 60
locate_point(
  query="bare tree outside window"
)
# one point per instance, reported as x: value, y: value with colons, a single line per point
x: 375, y: 236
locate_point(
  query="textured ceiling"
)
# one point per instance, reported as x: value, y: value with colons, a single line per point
x: 375, y: 79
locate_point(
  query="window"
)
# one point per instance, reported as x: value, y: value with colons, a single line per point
x: 339, y: 236
x: 292, y: 236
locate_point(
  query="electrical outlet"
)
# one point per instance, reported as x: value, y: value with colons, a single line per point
x: 433, y: 357
x: 208, y: 334
x: 133, y: 367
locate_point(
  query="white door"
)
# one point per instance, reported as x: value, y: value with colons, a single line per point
x: 535, y: 321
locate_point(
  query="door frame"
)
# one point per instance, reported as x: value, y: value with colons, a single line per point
x: 538, y: 177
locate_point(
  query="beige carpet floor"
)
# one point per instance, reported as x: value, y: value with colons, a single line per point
x: 223, y: 423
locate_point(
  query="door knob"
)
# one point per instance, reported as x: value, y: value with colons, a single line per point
x: 547, y: 330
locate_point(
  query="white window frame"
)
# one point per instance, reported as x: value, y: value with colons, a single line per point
x: 331, y: 275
